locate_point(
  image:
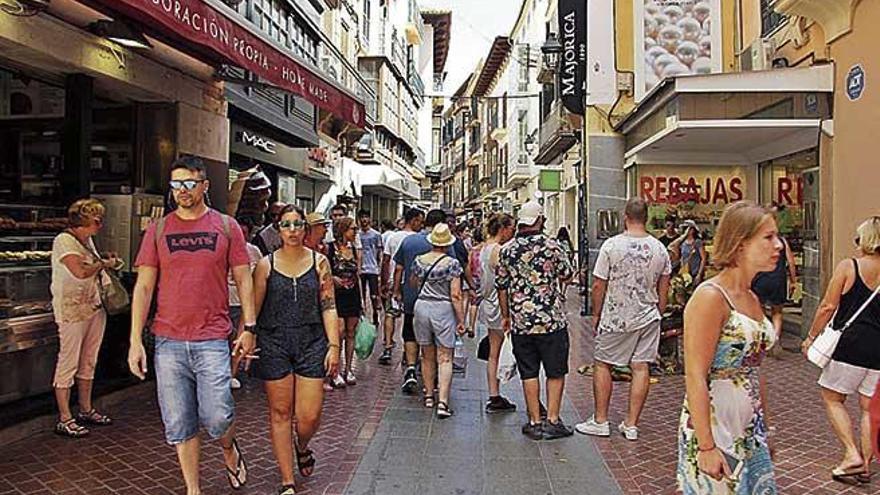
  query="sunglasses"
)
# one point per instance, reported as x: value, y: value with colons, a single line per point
x: 187, y: 185
x: 292, y: 224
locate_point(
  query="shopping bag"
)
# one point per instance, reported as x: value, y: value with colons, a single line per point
x: 506, y: 361
x: 483, y: 349
x: 364, y: 339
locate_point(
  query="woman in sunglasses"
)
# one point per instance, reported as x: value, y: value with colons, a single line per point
x: 299, y: 341
x: 346, y: 274
x: 854, y: 368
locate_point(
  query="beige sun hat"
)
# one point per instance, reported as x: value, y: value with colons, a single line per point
x: 316, y: 218
x: 441, y: 236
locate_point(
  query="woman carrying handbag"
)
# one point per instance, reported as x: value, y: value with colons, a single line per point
x: 854, y: 364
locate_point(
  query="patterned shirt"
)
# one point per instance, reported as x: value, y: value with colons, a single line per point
x: 529, y: 269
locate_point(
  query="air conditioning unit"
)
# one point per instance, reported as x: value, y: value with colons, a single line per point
x: 759, y: 55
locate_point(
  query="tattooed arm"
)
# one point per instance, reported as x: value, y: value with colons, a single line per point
x: 328, y: 314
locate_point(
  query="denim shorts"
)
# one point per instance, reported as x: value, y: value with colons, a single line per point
x: 193, y: 382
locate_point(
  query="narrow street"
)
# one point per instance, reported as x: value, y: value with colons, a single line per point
x: 375, y: 441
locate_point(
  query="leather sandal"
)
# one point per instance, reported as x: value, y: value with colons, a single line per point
x: 70, y: 429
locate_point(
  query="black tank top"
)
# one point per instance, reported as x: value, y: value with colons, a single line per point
x: 291, y: 301
x: 859, y: 345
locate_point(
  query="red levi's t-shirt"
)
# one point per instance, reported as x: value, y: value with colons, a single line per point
x: 193, y: 259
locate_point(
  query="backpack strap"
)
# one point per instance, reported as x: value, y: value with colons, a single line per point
x: 428, y: 274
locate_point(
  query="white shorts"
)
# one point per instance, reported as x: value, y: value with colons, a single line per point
x: 846, y: 378
x: 623, y: 348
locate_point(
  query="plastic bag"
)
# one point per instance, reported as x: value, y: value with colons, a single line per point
x: 364, y: 339
x: 506, y: 361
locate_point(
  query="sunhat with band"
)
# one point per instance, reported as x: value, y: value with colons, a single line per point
x: 440, y: 236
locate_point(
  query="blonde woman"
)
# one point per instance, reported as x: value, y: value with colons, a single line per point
x: 723, y: 445
x: 76, y: 304
x: 856, y: 360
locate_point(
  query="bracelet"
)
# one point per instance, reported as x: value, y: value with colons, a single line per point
x: 706, y: 450
x: 334, y: 345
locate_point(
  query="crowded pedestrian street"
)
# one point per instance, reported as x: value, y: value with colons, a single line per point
x: 452, y: 247
x: 376, y: 441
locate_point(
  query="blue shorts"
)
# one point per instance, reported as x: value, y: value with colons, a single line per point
x: 193, y: 383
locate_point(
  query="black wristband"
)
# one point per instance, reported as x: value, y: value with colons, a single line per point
x: 251, y: 328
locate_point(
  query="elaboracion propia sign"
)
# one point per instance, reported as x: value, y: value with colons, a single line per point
x: 572, y: 72
x: 198, y: 23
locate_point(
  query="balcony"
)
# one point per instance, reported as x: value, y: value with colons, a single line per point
x: 415, y: 81
x: 337, y: 67
x: 520, y: 172
x: 558, y: 133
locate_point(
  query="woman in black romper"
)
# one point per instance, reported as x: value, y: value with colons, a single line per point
x: 299, y: 341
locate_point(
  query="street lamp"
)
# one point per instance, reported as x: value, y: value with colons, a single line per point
x: 550, y: 50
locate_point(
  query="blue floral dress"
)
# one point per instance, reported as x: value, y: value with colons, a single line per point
x: 737, y: 413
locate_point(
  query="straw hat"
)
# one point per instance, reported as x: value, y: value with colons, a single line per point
x: 316, y: 218
x: 441, y: 236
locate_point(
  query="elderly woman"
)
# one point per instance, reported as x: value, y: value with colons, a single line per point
x: 856, y: 360
x: 439, y: 315
x: 76, y: 303
x: 723, y: 445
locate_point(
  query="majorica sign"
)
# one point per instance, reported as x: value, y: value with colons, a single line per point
x: 196, y: 22
x: 573, y: 63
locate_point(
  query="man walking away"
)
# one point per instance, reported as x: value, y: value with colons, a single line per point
x: 268, y: 239
x: 191, y: 250
x: 413, y: 218
x: 629, y: 297
x: 530, y: 270
x: 371, y: 252
x: 411, y: 248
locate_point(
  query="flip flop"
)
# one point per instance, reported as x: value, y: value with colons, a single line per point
x: 848, y: 476
x: 238, y: 478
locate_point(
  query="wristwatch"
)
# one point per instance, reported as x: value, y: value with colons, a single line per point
x: 251, y: 328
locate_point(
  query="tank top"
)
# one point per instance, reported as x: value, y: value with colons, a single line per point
x: 291, y: 301
x: 487, y: 289
x: 859, y: 345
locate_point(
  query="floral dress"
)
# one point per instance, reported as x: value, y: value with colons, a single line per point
x: 737, y: 413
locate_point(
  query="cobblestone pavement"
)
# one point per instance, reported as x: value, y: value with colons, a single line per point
x: 368, y: 421
x: 806, y: 448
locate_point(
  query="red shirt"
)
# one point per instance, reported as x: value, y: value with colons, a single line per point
x: 193, y: 259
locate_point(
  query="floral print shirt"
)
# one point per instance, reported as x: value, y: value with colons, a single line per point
x: 529, y: 269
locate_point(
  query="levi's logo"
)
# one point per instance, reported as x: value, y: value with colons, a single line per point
x: 192, y: 241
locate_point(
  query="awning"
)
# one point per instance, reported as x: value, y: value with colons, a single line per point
x: 386, y: 182
x: 207, y: 25
x: 730, y: 142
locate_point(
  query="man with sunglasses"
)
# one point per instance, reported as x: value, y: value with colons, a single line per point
x: 187, y: 255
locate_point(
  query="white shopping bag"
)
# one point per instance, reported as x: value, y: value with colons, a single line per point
x: 506, y: 361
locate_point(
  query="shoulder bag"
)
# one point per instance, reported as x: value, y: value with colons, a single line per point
x: 823, y: 346
x: 114, y: 298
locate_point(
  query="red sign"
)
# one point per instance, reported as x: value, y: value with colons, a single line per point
x: 790, y: 191
x: 673, y: 190
x: 199, y: 23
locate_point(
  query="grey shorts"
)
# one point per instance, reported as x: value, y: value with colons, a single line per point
x: 435, y: 323
x: 846, y: 378
x: 624, y: 348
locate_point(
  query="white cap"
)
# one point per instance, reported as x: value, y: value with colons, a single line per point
x: 530, y: 213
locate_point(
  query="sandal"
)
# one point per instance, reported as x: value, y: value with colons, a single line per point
x: 849, y: 475
x: 287, y: 490
x: 429, y: 401
x: 443, y: 410
x: 70, y: 429
x: 305, y: 461
x: 237, y: 478
x: 93, y: 417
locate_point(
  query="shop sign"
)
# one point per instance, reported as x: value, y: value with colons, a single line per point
x: 790, y: 191
x: 855, y: 83
x: 550, y: 180
x: 573, y: 63
x: 675, y: 38
x: 198, y: 23
x: 679, y: 189
x: 256, y: 141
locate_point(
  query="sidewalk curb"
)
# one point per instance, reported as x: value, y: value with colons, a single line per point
x: 46, y: 423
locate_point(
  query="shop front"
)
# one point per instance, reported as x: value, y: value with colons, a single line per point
x: 696, y: 144
x: 82, y: 117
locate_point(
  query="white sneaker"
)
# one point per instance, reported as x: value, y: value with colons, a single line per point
x: 338, y: 382
x: 235, y: 384
x: 350, y: 379
x: 631, y: 433
x: 591, y: 427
